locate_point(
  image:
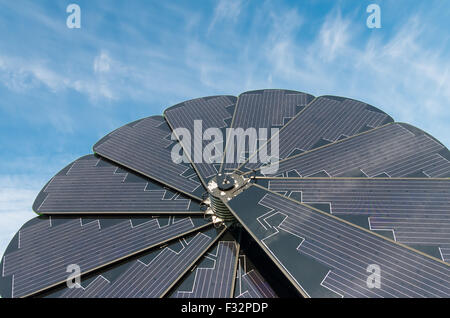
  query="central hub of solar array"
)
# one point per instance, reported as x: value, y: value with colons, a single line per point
x: 222, y: 188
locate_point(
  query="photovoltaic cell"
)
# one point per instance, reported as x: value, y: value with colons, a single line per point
x: 145, y: 146
x: 92, y: 185
x: 250, y: 283
x: 151, y: 275
x: 216, y: 281
x: 339, y: 253
x: 396, y: 150
x: 325, y: 120
x: 271, y: 108
x: 416, y: 210
x: 47, y: 246
x: 213, y: 112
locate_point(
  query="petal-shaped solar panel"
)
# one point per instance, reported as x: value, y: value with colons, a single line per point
x: 183, y: 205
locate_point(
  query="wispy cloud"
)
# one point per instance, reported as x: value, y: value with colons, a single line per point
x: 227, y: 11
x: 16, y: 197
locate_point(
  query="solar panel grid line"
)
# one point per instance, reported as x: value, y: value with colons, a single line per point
x: 362, y: 254
x: 263, y: 110
x: 222, y: 274
x: 411, y: 252
x: 367, y: 233
x: 214, y: 241
x: 188, y: 193
x: 428, y: 162
x: 37, y: 242
x: 314, y: 152
x: 213, y: 118
x: 30, y: 285
x: 356, y: 259
x: 411, y: 160
x: 397, y: 220
x: 391, y: 292
x: 258, y: 288
x: 192, y: 258
x: 252, y: 290
x: 351, y: 157
x: 308, y: 139
x: 31, y: 235
x: 245, y: 294
x: 334, y: 289
x: 114, y: 230
x: 167, y: 265
x: 117, y: 148
x: 135, y: 148
x: 150, y: 203
x: 414, y: 159
x: 354, y: 191
x: 331, y: 126
x: 312, y: 252
x: 209, y: 274
x: 90, y: 291
x: 118, y: 286
x: 374, y: 133
x: 334, y: 283
x: 426, y: 210
x: 61, y: 259
x: 94, y: 290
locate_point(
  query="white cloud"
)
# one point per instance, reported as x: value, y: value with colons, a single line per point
x: 226, y: 10
x: 20, y: 75
x: 334, y: 36
x: 17, y: 195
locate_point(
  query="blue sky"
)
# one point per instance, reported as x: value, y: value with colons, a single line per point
x: 62, y: 89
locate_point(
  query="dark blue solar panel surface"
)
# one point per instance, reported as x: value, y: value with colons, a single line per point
x: 249, y: 282
x: 151, y: 275
x: 145, y: 146
x: 271, y: 108
x: 214, y: 276
x: 325, y: 256
x: 213, y: 112
x: 45, y: 247
x: 395, y: 150
x: 417, y: 211
x: 91, y: 185
x: 325, y: 120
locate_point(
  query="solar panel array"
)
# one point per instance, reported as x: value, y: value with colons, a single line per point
x: 150, y: 280
x: 92, y: 185
x: 216, y: 281
x: 416, y: 210
x: 43, y: 246
x: 264, y: 109
x: 354, y: 205
x: 346, y: 250
x: 145, y: 147
x: 325, y: 120
x: 213, y: 112
x: 251, y: 284
x: 393, y: 150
